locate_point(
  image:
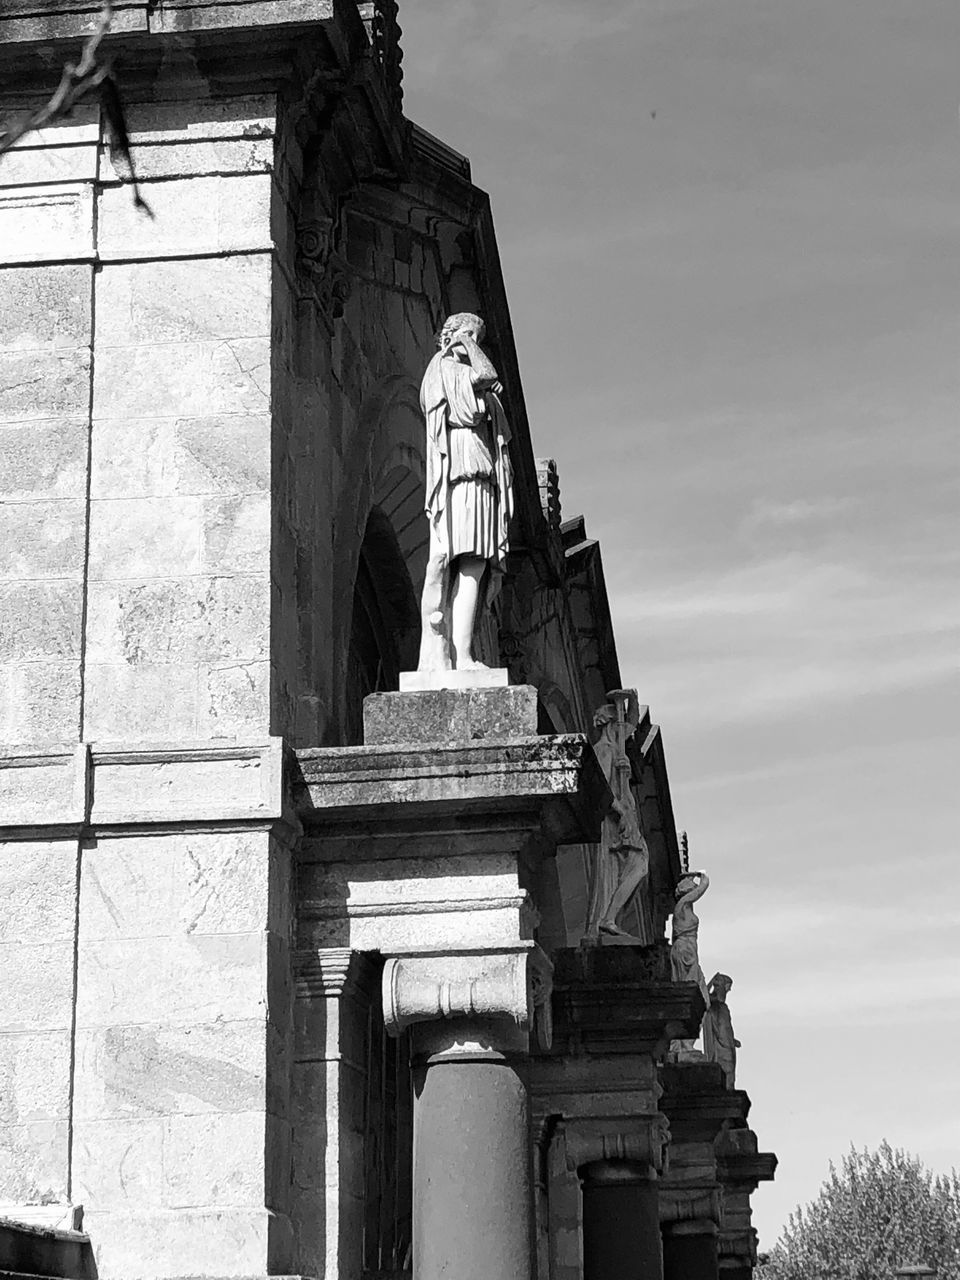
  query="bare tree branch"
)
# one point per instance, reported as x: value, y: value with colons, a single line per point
x: 75, y: 83
x: 90, y: 76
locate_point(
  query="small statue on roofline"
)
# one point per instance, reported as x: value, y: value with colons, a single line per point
x: 719, y: 1043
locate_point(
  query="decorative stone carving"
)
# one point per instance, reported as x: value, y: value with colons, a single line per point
x: 642, y: 1139
x: 689, y: 1204
x: 469, y: 498
x: 323, y: 267
x: 622, y: 861
x: 380, y: 19
x: 331, y: 972
x: 719, y: 1043
x: 515, y: 987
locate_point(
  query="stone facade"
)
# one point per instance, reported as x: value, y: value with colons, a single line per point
x: 278, y: 941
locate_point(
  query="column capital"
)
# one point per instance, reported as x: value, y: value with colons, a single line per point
x: 640, y: 1139
x: 690, y: 1210
x: 487, y: 987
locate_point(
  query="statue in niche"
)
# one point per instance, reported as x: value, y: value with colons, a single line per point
x: 719, y: 1043
x: 684, y: 953
x: 622, y: 862
x: 469, y: 498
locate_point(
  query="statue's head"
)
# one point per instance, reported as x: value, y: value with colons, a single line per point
x: 462, y: 320
x: 604, y: 715
x: 687, y: 883
x: 720, y: 985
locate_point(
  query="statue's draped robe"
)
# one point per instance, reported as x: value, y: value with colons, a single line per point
x: 620, y: 835
x: 469, y: 498
x: 719, y: 1043
x: 684, y: 951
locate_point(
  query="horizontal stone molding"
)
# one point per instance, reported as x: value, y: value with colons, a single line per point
x: 47, y: 22
x: 549, y: 776
x: 89, y: 788
x: 53, y: 1217
x: 332, y: 973
x: 470, y: 985
x: 640, y: 1139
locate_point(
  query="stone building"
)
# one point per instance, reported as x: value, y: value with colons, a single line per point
x: 292, y: 975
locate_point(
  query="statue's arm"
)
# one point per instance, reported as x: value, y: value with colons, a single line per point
x: 696, y: 894
x: 484, y: 373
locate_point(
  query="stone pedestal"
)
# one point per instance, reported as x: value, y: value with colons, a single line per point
x: 425, y: 845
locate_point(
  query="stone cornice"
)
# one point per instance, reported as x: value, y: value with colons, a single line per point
x: 605, y: 1003
x: 51, y: 21
x: 740, y: 1166
x: 552, y: 779
x: 698, y: 1103
x: 747, y: 1170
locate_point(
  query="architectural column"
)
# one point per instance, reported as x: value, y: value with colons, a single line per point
x: 690, y: 1250
x: 616, y: 1159
x: 620, y: 1228
x: 472, y: 1174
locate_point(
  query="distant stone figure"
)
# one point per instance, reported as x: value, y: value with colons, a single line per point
x: 684, y: 954
x: 719, y: 1043
x: 622, y: 862
x: 469, y: 499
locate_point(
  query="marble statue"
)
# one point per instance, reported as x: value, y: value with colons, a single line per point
x: 684, y: 954
x: 719, y: 1043
x: 622, y: 861
x: 469, y: 499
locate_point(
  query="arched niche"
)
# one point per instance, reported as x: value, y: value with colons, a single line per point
x: 383, y: 570
x: 384, y: 621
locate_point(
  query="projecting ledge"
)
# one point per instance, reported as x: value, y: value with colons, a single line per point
x: 53, y: 20
x: 557, y: 778
x: 617, y: 1001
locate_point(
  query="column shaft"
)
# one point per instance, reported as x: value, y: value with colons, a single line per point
x: 473, y: 1200
x: 690, y: 1256
x: 621, y: 1228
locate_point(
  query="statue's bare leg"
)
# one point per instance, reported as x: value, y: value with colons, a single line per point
x: 434, y: 641
x: 635, y: 870
x: 468, y: 574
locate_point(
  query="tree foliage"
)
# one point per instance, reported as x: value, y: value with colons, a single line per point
x: 880, y: 1211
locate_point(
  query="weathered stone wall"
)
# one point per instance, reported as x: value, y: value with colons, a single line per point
x: 38, y: 910
x: 181, y: 1123
x: 136, y: 425
x: 148, y: 1003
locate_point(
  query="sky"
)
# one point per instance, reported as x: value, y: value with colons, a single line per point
x: 729, y: 232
